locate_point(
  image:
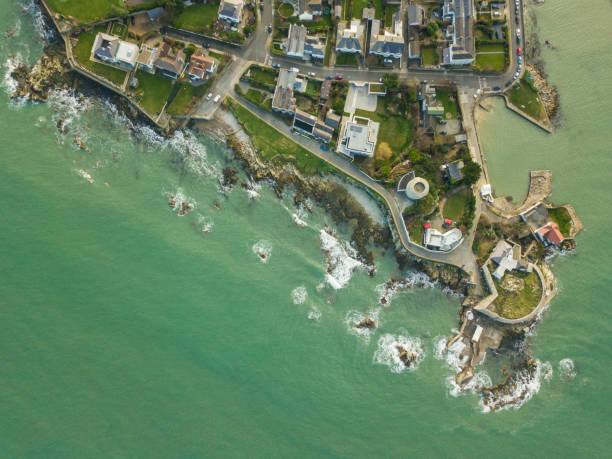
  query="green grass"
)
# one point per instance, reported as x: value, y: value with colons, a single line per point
x: 377, y: 87
x: 394, y: 129
x: 512, y: 305
x: 285, y: 10
x: 524, y: 97
x: 455, y: 206
x: 429, y: 55
x: 415, y: 230
x: 450, y: 106
x: 346, y: 10
x: 346, y: 59
x: 313, y: 89
x: 187, y: 96
x: 273, y: 146
x: 490, y: 62
x: 562, y: 218
x: 262, y: 75
x: 82, y: 51
x: 89, y: 10
x: 491, y: 47
x: 153, y: 91
x: 390, y: 10
x: 198, y: 18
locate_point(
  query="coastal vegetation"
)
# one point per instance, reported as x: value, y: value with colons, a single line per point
x: 187, y: 96
x: 524, y: 96
x: 90, y: 10
x: 562, y: 218
x: 456, y: 205
x: 199, y: 17
x: 152, y: 92
x: 82, y: 53
x: 275, y: 147
x: 518, y: 294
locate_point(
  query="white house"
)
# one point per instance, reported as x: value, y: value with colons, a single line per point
x: 435, y: 240
x: 231, y: 11
x: 111, y: 49
x: 461, y: 50
x: 358, y: 137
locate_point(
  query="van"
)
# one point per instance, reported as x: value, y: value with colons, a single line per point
x: 216, y: 99
x: 209, y: 96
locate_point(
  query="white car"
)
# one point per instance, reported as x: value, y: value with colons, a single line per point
x: 209, y: 96
x: 311, y: 74
x: 518, y: 32
x: 216, y: 99
x: 476, y: 94
x: 515, y: 76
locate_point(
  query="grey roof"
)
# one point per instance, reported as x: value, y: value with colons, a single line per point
x: 385, y: 44
x: 332, y: 119
x: 305, y: 117
x: 350, y: 38
x: 296, y: 40
x: 454, y: 170
x: 461, y: 13
x: 105, y: 46
x: 415, y: 14
x: 315, y: 50
x: 283, y: 93
x: 325, y: 88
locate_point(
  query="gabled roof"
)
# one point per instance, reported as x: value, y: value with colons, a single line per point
x: 551, y: 233
x: 106, y: 46
x: 169, y: 59
x: 350, y: 37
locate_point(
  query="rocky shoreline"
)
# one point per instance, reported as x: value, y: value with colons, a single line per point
x: 548, y: 94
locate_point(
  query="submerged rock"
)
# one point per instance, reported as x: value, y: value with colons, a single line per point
x: 405, y: 356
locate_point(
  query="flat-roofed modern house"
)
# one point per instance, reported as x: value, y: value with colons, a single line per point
x: 461, y: 50
x: 415, y: 15
x: 111, y: 49
x: 350, y: 37
x: 231, y: 11
x: 388, y: 43
x: 304, y: 122
x: 283, y: 100
x: 200, y: 66
x: 358, y: 136
x: 170, y: 62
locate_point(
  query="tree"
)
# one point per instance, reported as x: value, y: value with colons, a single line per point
x: 390, y: 81
x: 414, y: 156
x: 471, y: 172
x: 189, y: 50
x: 432, y: 28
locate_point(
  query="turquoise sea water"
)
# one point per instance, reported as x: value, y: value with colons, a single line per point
x: 127, y: 331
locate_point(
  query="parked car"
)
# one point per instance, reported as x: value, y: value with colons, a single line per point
x: 269, y: 28
x: 276, y: 66
x: 323, y: 147
x: 339, y: 77
x: 519, y: 51
x: 516, y: 21
x: 518, y: 32
x: 209, y: 96
x: 515, y: 76
x: 311, y: 74
x: 520, y: 59
x: 496, y: 88
x: 477, y: 93
x: 508, y: 83
x: 206, y: 45
x: 387, y: 61
x: 217, y: 98
x: 328, y: 77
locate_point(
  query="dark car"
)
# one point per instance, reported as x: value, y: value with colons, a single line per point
x: 323, y: 147
x: 496, y: 88
x: 516, y: 20
x: 206, y: 45
x: 328, y: 77
x: 276, y: 66
x: 508, y: 83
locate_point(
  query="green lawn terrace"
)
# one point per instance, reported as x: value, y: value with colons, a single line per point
x: 152, y: 92
x: 203, y: 18
x: 82, y: 54
x: 491, y: 57
x: 524, y: 96
x: 86, y: 11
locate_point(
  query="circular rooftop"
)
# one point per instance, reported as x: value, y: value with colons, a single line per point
x: 417, y: 188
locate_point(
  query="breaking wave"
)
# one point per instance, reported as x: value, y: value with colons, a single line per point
x: 567, y: 369
x: 388, y: 290
x: 341, y: 260
x: 205, y: 223
x: 299, y: 295
x: 390, y: 348
x: 44, y: 30
x: 179, y: 202
x: 314, y: 315
x: 8, y: 82
x: 356, y: 317
x: 263, y: 250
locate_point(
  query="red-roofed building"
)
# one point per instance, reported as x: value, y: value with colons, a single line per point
x: 550, y: 234
x: 200, y: 65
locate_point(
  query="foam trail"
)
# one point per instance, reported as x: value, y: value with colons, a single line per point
x: 567, y: 369
x: 299, y: 295
x: 263, y: 250
x: 341, y: 260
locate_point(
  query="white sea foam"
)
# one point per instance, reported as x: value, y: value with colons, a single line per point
x: 8, y: 82
x: 252, y: 189
x: 522, y: 386
x: 388, y: 290
x: 263, y: 250
x: 389, y: 354
x: 44, y: 30
x: 205, y: 223
x: 299, y: 295
x: 68, y: 106
x: 567, y: 369
x: 177, y: 198
x: 315, y: 315
x: 355, y: 317
x: 83, y: 173
x: 341, y: 260
x: 299, y: 216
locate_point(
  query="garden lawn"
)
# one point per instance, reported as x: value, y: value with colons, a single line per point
x: 263, y: 76
x: 429, y: 55
x: 562, y: 218
x: 359, y: 5
x: 394, y: 129
x: 273, y: 146
x: 88, y: 10
x: 415, y: 230
x: 450, y: 106
x: 153, y: 91
x: 187, y: 96
x: 524, y: 97
x: 490, y: 62
x: 82, y: 52
x: 513, y: 306
x: 346, y: 59
x: 198, y: 18
x: 285, y: 10
x: 390, y: 10
x: 454, y: 207
x: 491, y: 48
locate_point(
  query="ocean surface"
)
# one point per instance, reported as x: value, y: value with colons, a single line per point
x: 128, y: 330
